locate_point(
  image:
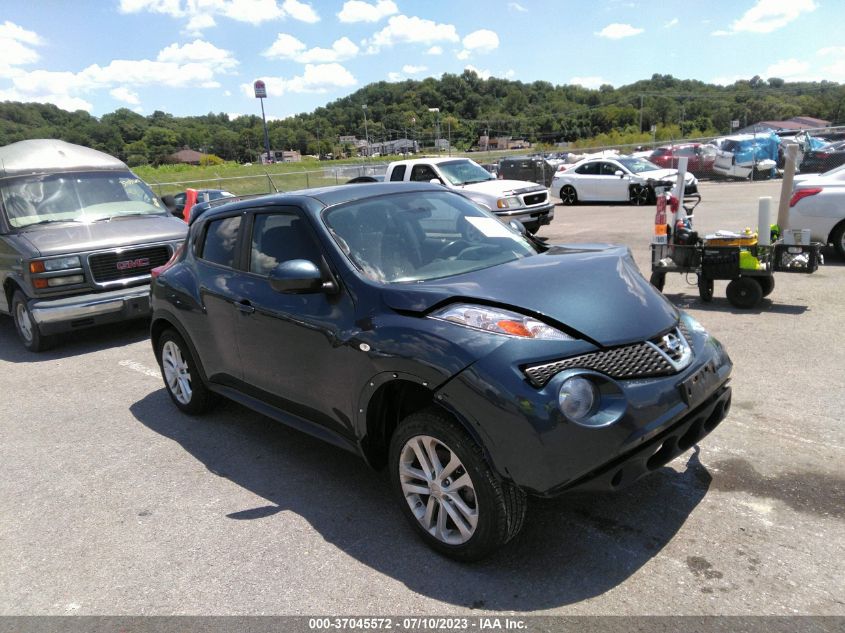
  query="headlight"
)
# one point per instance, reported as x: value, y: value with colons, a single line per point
x: 499, y: 321
x: 508, y: 203
x: 577, y: 398
x: 694, y: 325
x: 61, y: 263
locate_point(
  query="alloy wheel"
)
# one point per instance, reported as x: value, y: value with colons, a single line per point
x: 438, y: 489
x: 24, y: 322
x: 176, y: 372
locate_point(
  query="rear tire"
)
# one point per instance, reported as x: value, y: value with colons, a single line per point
x: 838, y: 239
x: 28, y: 331
x: 744, y: 292
x: 182, y: 378
x: 705, y: 289
x: 568, y: 195
x: 448, y: 492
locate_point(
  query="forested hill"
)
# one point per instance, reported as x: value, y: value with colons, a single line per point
x: 468, y: 107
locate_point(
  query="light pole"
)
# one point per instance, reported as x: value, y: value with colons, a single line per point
x: 366, y: 132
x: 261, y: 93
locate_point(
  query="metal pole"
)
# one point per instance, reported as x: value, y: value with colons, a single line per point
x: 449, y: 126
x: 641, y: 114
x: 366, y: 132
x: 266, y: 134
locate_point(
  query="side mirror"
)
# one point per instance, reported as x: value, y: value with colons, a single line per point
x: 518, y: 226
x: 619, y: 173
x: 170, y: 202
x: 436, y: 181
x: 296, y: 276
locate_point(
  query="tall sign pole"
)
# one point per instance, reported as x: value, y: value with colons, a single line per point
x: 261, y: 94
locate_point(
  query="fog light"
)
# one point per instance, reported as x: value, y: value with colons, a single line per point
x: 577, y: 398
x: 65, y: 281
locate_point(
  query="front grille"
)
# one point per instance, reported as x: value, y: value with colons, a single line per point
x: 639, y: 360
x: 535, y: 198
x: 126, y: 264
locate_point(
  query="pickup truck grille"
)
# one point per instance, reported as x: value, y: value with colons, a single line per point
x: 535, y: 198
x: 135, y: 262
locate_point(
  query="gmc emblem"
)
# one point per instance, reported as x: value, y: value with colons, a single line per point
x: 128, y: 264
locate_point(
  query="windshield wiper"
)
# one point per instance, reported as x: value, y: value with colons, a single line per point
x: 472, y: 182
x: 26, y: 226
x: 117, y: 216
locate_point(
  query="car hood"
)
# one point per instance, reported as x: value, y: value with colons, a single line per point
x: 593, y: 289
x: 59, y: 239
x: 665, y: 174
x: 497, y: 187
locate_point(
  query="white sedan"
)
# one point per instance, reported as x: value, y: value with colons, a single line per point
x: 818, y: 204
x: 618, y: 179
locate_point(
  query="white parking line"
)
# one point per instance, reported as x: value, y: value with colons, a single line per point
x: 141, y: 369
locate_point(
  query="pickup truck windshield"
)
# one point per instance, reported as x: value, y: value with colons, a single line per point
x: 418, y: 236
x: 464, y: 172
x: 76, y: 197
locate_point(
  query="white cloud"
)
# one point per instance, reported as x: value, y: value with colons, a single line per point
x: 515, y: 6
x: 191, y: 65
x: 227, y: 93
x: 200, y: 13
x: 402, y: 29
x: 671, y: 23
x: 124, y: 94
x: 315, y: 78
x: 358, y: 11
x: 301, y: 11
x: 769, y: 15
x: 617, y: 31
x: 394, y: 77
x: 510, y: 73
x: 463, y: 55
x: 481, y: 41
x: 787, y: 68
x: 16, y: 49
x: 591, y: 82
x: 435, y: 50
x: 62, y: 101
x: 200, y: 52
x: 483, y: 74
x: 413, y: 70
x: 831, y: 50
x: 288, y: 47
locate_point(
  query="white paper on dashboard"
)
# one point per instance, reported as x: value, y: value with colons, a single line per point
x: 490, y: 227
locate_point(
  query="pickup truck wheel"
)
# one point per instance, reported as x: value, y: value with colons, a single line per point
x: 568, y: 195
x: 181, y: 376
x: 448, y: 492
x: 28, y: 331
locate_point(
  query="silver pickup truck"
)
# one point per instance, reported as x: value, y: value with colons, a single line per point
x: 527, y: 202
x: 79, y: 235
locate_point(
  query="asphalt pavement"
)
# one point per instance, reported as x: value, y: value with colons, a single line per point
x: 113, y: 502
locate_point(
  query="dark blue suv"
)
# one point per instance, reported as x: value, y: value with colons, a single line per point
x: 408, y: 325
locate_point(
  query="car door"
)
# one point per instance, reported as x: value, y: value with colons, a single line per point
x: 586, y: 180
x: 291, y: 345
x: 217, y: 257
x: 613, y: 188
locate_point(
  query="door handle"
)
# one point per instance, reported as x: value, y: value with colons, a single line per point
x: 245, y: 307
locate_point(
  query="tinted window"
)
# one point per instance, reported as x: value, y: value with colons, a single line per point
x: 590, y: 169
x: 685, y: 151
x: 221, y: 238
x: 422, y: 173
x: 609, y: 169
x: 398, y: 173
x: 277, y: 238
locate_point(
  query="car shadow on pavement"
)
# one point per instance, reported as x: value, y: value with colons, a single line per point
x: 571, y: 549
x: 721, y: 304
x: 72, y: 343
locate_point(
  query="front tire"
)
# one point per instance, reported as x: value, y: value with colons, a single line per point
x: 448, y: 492
x: 838, y: 239
x: 568, y: 195
x: 28, y: 331
x: 640, y: 195
x: 181, y: 374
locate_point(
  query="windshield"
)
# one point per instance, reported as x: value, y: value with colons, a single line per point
x: 464, y: 172
x: 638, y: 165
x: 76, y: 197
x: 418, y: 236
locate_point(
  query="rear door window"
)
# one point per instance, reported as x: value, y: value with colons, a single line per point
x: 221, y: 239
x: 398, y: 173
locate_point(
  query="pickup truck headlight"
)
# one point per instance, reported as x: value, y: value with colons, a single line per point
x: 58, y: 263
x: 508, y: 203
x: 499, y: 321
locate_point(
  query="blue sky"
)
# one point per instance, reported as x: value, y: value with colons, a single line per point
x: 191, y: 57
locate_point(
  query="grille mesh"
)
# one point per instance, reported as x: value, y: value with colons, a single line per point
x: 535, y: 198
x: 104, y: 265
x: 640, y: 360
